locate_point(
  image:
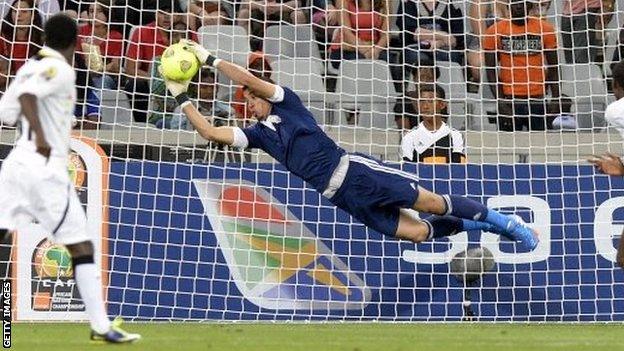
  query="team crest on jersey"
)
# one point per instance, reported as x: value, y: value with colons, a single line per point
x: 49, y: 73
x: 275, y: 260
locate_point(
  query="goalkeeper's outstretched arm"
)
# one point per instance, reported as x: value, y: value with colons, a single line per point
x: 238, y: 74
x: 222, y: 135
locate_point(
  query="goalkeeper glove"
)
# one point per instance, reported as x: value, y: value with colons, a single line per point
x: 177, y: 89
x: 203, y: 55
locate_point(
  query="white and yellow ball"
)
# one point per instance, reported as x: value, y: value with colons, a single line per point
x: 179, y: 63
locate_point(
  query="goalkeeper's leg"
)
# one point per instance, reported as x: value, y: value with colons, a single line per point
x: 419, y: 230
x: 461, y: 207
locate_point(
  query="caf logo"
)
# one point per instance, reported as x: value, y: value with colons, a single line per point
x: 52, y: 260
x: 77, y: 170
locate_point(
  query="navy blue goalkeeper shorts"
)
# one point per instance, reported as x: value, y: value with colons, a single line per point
x: 374, y: 193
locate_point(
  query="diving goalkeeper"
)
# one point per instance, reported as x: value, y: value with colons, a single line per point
x: 371, y: 192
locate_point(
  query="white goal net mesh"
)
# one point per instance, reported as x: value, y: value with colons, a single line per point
x: 191, y: 230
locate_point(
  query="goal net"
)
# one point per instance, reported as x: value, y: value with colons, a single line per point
x: 192, y: 230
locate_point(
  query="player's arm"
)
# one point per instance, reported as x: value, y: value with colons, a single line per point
x: 30, y: 111
x: 223, y: 135
x: 238, y: 74
x: 608, y: 163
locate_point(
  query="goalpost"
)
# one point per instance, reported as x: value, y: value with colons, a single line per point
x: 193, y: 231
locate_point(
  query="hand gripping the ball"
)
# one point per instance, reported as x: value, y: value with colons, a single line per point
x: 176, y: 88
x: 203, y: 55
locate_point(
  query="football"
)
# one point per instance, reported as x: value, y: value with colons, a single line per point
x: 469, y: 265
x: 179, y: 63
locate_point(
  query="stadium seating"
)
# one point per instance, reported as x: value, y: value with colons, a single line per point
x: 115, y: 109
x: 227, y: 42
x: 304, y: 76
x: 366, y: 85
x: 585, y: 84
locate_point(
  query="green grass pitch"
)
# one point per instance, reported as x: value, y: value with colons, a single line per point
x: 329, y: 336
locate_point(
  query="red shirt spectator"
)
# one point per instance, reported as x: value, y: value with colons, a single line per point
x: 21, y: 32
x: 148, y: 42
x: 17, y: 53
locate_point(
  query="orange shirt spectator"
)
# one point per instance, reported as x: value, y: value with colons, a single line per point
x: 521, y: 53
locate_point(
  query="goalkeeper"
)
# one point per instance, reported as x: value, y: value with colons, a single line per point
x: 374, y: 194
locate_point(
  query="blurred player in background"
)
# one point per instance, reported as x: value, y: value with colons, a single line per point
x: 373, y: 193
x: 34, y: 180
x: 611, y: 163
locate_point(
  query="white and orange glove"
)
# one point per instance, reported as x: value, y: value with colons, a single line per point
x: 177, y: 88
x: 203, y: 55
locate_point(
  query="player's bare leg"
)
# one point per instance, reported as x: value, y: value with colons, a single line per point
x: 411, y: 228
x: 87, y: 276
x: 457, y: 206
x: 419, y: 230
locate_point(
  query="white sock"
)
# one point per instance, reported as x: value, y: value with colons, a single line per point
x: 88, y: 279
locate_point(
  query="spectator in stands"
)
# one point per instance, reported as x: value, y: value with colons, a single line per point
x: 405, y: 111
x: 106, y: 41
x: 87, y: 110
x: 22, y: 33
x: 578, y: 23
x: 71, y: 7
x: 256, y: 15
x: 433, y: 141
x: 521, y: 62
x: 481, y: 15
x: 207, y: 102
x: 259, y: 66
x: 363, y: 32
x: 601, y: 30
x: 207, y: 12
x: 146, y: 43
x: 405, y: 114
x: 618, y: 54
x: 46, y: 8
x: 326, y: 19
x: 432, y: 30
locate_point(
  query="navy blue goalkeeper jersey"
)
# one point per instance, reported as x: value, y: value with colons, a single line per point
x: 291, y: 136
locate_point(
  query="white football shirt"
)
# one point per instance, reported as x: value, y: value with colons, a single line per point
x: 423, y: 145
x: 52, y: 80
x: 614, y: 114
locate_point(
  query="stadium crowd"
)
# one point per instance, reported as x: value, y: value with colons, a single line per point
x: 508, y: 51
